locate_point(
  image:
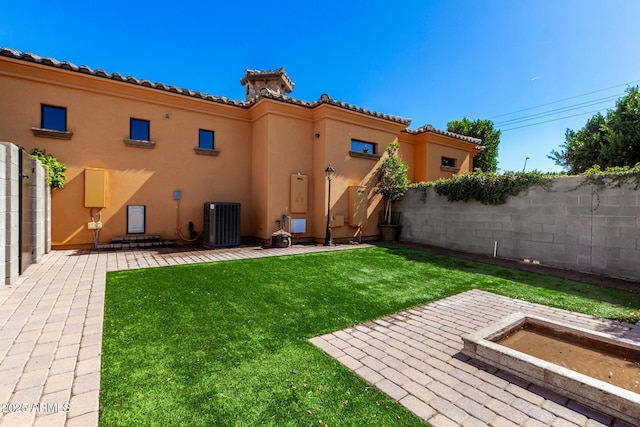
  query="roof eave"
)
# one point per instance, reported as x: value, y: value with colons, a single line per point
x: 431, y: 129
x: 68, y: 66
x: 324, y: 99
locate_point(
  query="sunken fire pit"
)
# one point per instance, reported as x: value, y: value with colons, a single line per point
x: 564, y: 345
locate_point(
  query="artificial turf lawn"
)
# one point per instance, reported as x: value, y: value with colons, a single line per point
x: 226, y: 343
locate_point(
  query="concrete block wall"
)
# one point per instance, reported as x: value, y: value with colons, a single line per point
x: 10, y: 212
x: 47, y: 216
x: 3, y: 213
x: 589, y: 228
x: 12, y: 215
x: 39, y: 209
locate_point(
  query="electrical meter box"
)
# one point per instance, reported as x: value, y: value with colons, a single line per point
x: 95, y: 188
x: 358, y: 205
x: 299, y: 193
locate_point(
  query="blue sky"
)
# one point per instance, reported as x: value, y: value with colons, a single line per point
x: 430, y: 61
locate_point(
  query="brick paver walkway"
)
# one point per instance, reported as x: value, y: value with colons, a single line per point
x: 51, y: 330
x: 415, y: 358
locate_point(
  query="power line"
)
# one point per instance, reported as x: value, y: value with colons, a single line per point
x: 565, y: 99
x: 552, y: 120
x: 557, y: 111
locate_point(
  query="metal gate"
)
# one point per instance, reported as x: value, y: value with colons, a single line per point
x: 25, y: 232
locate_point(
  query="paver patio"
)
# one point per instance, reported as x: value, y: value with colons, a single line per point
x: 51, y: 340
x: 415, y: 358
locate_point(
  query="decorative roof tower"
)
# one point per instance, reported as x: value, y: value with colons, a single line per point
x: 274, y: 82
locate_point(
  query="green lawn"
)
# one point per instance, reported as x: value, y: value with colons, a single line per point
x: 225, y: 344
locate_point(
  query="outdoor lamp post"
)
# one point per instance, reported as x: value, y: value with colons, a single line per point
x: 329, y: 171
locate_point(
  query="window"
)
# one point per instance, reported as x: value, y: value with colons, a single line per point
x: 448, y: 162
x: 139, y: 130
x: 54, y: 118
x: 206, y: 143
x: 364, y: 150
x: 205, y: 139
x: 139, y: 134
x: 363, y: 147
x: 53, y: 123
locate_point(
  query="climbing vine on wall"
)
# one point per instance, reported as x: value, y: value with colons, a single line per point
x: 487, y: 188
x: 55, y: 174
x: 494, y: 189
x: 615, y: 176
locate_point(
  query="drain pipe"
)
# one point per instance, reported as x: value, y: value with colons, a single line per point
x: 495, y: 248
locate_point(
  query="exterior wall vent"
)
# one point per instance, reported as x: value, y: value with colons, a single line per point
x: 221, y: 224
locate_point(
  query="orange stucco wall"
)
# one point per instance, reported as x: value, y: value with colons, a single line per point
x: 98, y: 114
x: 428, y: 150
x: 284, y: 136
x: 341, y: 127
x: 260, y: 147
x: 438, y: 147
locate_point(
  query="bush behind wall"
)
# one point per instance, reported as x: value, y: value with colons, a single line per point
x: 487, y: 187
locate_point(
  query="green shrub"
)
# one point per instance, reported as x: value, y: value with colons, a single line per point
x: 392, y: 180
x: 618, y: 175
x: 494, y: 189
x: 487, y: 187
x: 55, y: 170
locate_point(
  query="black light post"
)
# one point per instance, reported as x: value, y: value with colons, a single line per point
x: 329, y: 171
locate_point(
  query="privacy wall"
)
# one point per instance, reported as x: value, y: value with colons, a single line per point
x: 592, y: 228
x: 25, y: 212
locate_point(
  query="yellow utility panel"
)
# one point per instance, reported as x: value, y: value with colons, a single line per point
x: 299, y: 193
x: 95, y: 188
x: 358, y: 204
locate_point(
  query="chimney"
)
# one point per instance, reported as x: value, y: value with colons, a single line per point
x: 275, y: 82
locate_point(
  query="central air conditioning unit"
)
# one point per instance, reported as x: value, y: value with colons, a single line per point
x: 221, y: 224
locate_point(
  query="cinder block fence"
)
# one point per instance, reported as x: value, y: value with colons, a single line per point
x: 592, y: 228
x: 25, y: 212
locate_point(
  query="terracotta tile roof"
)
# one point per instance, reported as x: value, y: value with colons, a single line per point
x: 324, y: 99
x: 25, y: 56
x: 429, y: 128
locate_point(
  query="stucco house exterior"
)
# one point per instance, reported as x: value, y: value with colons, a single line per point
x: 154, y: 153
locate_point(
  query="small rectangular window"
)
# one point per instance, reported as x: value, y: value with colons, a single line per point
x: 139, y: 130
x: 448, y: 162
x: 54, y: 118
x: 205, y: 139
x: 363, y: 147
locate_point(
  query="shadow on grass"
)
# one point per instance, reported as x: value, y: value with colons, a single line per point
x: 595, y: 292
